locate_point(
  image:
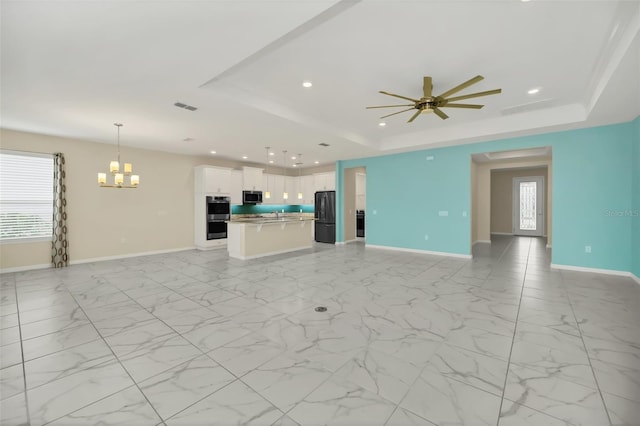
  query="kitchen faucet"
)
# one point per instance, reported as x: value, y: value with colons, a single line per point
x: 277, y: 214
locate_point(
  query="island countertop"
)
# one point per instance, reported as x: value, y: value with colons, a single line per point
x: 264, y: 220
x: 249, y: 238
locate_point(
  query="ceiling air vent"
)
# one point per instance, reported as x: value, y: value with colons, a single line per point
x: 185, y: 106
x: 323, y: 144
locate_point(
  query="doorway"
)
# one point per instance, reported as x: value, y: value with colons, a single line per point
x: 492, y: 194
x: 354, y: 207
x: 528, y: 206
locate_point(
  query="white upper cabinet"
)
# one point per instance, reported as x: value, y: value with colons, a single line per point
x: 291, y: 186
x: 276, y: 185
x: 236, y: 186
x: 308, y: 189
x: 252, y: 179
x: 212, y: 180
x: 277, y: 190
x: 324, y: 181
x: 267, y: 186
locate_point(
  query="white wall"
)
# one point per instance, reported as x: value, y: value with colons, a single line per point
x: 103, y: 222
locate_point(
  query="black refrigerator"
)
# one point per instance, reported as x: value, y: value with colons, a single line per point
x: 325, y: 217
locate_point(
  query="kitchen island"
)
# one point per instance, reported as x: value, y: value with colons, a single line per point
x: 252, y: 238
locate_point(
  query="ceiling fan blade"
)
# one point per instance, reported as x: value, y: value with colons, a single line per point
x: 472, y: 106
x: 399, y: 112
x: 475, y: 95
x: 389, y: 106
x: 464, y: 85
x: 427, y: 85
x: 439, y: 113
x: 414, y: 116
x: 398, y: 96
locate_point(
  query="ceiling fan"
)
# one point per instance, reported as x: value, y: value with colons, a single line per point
x: 428, y: 102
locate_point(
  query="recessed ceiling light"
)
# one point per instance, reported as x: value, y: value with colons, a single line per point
x: 307, y: 84
x: 293, y: 158
x: 382, y: 124
x: 213, y: 152
x: 244, y: 157
x: 533, y: 91
x: 316, y: 162
x: 295, y: 165
x: 272, y: 153
x: 270, y: 161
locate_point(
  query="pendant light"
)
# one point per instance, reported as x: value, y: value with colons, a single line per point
x: 299, y: 177
x: 267, y: 193
x: 114, y: 169
x: 285, y: 194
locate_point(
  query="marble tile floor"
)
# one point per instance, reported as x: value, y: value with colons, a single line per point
x: 196, y: 338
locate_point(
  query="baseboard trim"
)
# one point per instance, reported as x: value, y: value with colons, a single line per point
x: 129, y: 255
x: 435, y: 253
x: 25, y: 268
x: 635, y: 278
x: 481, y: 242
x: 273, y: 253
x: 593, y: 270
x: 502, y: 233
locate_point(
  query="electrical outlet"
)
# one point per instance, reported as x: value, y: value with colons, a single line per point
x: 587, y: 249
x: 429, y: 157
x: 443, y: 213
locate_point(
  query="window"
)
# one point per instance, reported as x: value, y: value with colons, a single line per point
x: 26, y: 196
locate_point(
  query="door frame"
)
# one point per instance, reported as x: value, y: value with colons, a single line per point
x: 540, y: 206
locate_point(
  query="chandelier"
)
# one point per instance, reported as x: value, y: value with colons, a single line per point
x: 114, y: 170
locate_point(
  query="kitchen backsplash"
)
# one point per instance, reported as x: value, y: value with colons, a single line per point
x: 270, y: 208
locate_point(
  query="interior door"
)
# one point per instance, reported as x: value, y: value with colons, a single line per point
x: 528, y: 206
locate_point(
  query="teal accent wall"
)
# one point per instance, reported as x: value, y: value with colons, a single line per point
x: 635, y: 228
x: 269, y: 208
x: 592, y: 175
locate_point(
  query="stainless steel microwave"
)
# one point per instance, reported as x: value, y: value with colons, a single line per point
x: 251, y: 197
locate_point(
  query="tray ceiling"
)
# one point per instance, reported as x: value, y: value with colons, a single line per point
x: 73, y: 68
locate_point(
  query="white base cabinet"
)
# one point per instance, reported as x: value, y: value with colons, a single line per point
x: 252, y: 240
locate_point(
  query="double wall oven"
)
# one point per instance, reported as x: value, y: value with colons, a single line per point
x: 218, y: 213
